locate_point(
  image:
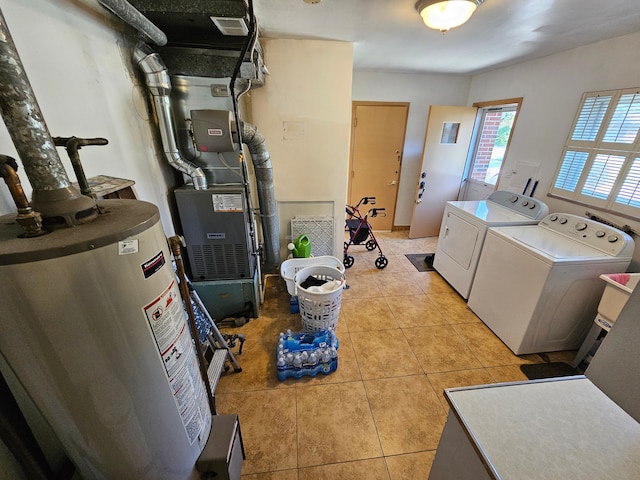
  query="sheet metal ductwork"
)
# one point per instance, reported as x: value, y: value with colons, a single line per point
x: 196, y: 50
x: 133, y: 17
x: 261, y: 159
x: 159, y: 86
x: 53, y: 194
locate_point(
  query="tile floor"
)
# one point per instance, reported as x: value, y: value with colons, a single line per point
x: 404, y: 337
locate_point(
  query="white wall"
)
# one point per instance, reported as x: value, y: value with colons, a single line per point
x: 308, y: 92
x: 79, y: 71
x: 421, y: 91
x: 551, y: 88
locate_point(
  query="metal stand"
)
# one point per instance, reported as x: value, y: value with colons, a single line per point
x: 216, y: 339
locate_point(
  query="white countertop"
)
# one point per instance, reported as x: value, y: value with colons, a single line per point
x: 552, y: 429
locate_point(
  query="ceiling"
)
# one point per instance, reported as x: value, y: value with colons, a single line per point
x: 388, y: 35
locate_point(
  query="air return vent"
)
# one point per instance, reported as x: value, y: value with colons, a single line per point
x: 231, y: 26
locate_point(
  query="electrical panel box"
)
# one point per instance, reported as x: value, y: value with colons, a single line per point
x: 218, y: 230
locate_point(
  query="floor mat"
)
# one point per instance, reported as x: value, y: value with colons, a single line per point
x: 535, y: 371
x: 422, y: 261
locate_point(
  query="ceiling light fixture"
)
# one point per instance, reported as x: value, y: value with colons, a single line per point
x: 444, y: 15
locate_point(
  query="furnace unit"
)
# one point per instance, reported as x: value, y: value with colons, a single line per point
x: 217, y: 229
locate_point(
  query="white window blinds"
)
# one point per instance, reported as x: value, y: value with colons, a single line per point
x: 600, y: 165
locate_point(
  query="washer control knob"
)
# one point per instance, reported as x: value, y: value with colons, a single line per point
x: 600, y: 234
x: 513, y: 199
x: 525, y: 203
x: 612, y: 238
x: 563, y: 220
x: 532, y: 205
x: 553, y: 218
x: 581, y: 226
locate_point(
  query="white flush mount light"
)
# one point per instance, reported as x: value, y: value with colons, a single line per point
x: 444, y: 15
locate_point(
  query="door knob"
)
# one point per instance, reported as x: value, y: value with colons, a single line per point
x: 393, y: 182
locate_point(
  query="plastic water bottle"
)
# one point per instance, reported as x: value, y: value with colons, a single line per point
x: 313, y: 358
x: 325, y: 356
x: 297, y: 361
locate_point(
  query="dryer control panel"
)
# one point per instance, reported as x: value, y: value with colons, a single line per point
x: 527, y: 206
x: 590, y: 232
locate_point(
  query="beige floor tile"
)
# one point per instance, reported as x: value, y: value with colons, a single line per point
x: 397, y: 242
x: 397, y: 264
x: 507, y: 373
x: 342, y: 327
x: 384, y: 354
x: 432, y: 282
x: 373, y: 469
x: 453, y: 308
x: 488, y: 348
x: 335, y: 424
x: 415, y: 311
x: 395, y: 325
x: 412, y: 466
x: 408, y: 415
x: 258, y: 360
x: 368, y: 314
x: 268, y: 424
x: 279, y: 475
x: 258, y: 370
x: 361, y: 286
x: 440, y: 349
x: 461, y: 378
x: 392, y: 284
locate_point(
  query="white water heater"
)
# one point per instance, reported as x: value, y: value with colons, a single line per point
x: 93, y: 327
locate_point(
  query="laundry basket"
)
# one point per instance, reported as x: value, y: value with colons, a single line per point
x: 290, y: 267
x: 319, y: 306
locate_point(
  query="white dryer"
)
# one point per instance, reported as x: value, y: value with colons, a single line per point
x: 464, y: 227
x: 538, y: 287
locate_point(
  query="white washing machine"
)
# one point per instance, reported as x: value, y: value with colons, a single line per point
x: 538, y: 287
x: 464, y: 227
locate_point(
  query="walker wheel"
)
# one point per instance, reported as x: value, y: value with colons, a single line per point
x: 381, y: 262
x: 371, y: 245
x: 348, y: 261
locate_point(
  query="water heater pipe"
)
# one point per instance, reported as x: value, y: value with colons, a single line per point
x: 133, y: 17
x: 261, y: 159
x: 53, y: 194
x: 159, y: 85
x: 27, y: 218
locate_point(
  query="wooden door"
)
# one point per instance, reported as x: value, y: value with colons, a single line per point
x: 377, y: 141
x: 444, y: 156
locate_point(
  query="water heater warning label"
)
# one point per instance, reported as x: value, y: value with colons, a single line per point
x: 166, y: 318
x: 230, y: 202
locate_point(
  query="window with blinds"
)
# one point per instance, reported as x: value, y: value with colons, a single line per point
x: 600, y: 164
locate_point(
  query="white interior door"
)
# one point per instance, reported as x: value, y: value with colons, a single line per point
x: 446, y: 146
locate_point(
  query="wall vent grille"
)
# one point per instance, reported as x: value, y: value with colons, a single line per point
x: 319, y: 229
